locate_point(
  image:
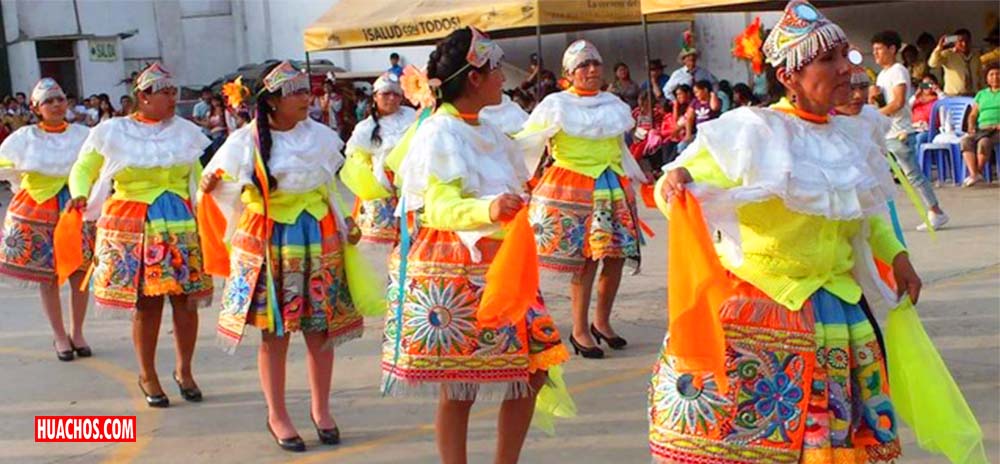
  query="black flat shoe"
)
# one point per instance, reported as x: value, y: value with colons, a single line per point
x: 616, y: 343
x: 192, y: 394
x: 154, y: 401
x: 81, y: 351
x: 327, y: 436
x: 294, y: 444
x: 63, y: 356
x: 589, y: 352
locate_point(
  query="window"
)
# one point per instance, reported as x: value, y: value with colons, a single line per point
x: 57, y: 59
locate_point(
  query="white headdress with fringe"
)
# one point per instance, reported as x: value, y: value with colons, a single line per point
x: 802, y: 34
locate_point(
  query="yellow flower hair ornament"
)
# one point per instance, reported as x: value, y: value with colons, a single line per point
x: 235, y: 92
x: 417, y: 88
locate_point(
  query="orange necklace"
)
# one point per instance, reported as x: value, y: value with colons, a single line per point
x: 814, y: 118
x: 471, y: 118
x: 583, y: 93
x: 139, y: 117
x: 53, y: 129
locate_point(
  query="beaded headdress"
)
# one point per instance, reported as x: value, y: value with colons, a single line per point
x: 154, y: 79
x: 802, y: 34
x: 579, y: 52
x: 387, y: 83
x: 284, y: 78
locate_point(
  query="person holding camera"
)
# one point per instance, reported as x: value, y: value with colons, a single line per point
x: 961, y: 68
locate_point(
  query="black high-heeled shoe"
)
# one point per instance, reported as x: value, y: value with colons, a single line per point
x: 63, y: 356
x: 327, y: 436
x: 192, y: 394
x: 616, y: 343
x: 589, y: 352
x: 81, y: 351
x: 293, y: 444
x: 154, y: 401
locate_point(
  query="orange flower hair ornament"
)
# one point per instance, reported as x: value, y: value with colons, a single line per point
x: 235, y: 92
x: 417, y: 88
x: 746, y: 46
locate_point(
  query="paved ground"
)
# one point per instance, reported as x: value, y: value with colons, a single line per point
x: 960, y: 306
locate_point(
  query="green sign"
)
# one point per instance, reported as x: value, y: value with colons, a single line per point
x: 103, y: 50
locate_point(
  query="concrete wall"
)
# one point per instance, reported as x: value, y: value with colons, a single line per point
x: 110, y: 17
x: 44, y: 18
x: 209, y: 42
x: 97, y: 77
x: 24, y: 72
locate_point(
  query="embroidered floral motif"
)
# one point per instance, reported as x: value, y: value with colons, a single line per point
x: 439, y: 316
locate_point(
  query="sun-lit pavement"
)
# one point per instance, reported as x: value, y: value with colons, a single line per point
x: 960, y: 307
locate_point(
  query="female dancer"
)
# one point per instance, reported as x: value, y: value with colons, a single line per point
x: 147, y: 243
x: 287, y: 260
x: 36, y: 159
x: 792, y: 198
x: 583, y: 209
x: 466, y: 177
x: 366, y: 172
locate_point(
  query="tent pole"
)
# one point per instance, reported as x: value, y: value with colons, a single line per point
x: 538, y: 73
x: 645, y: 47
x: 308, y: 66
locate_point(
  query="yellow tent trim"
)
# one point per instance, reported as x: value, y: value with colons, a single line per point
x: 374, y: 23
x: 704, y: 6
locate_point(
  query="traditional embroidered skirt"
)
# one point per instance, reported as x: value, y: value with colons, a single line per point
x: 440, y: 341
x: 377, y: 221
x: 805, y: 386
x: 307, y: 260
x: 27, y: 254
x: 577, y: 218
x: 148, y: 250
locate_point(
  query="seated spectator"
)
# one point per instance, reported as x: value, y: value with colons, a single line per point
x: 703, y: 108
x: 5, y: 131
x: 242, y: 118
x: 674, y: 129
x: 624, y: 87
x: 725, y: 95
x: 646, y: 139
x: 921, y: 104
x: 656, y: 76
x: 961, y: 68
x: 743, y: 96
x: 984, y: 128
x: 127, y: 105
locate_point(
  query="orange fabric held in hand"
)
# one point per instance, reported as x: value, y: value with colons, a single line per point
x: 212, y: 225
x: 648, y: 192
x: 885, y: 272
x: 697, y: 286
x: 512, y: 279
x: 68, y: 242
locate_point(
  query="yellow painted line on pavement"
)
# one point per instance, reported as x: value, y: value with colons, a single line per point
x: 146, y: 418
x: 428, y: 428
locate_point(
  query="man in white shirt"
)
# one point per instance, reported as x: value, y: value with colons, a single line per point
x: 688, y: 74
x: 893, y: 85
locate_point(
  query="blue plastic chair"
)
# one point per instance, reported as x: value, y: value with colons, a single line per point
x: 944, y: 154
